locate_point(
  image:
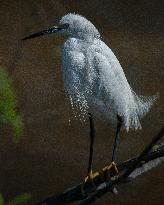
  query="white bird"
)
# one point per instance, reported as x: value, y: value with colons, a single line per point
x: 95, y: 79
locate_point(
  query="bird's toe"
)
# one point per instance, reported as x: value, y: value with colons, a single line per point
x: 111, y: 169
x: 89, y: 179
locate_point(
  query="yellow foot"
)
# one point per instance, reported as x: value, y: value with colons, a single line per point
x: 106, y: 171
x: 112, y: 165
x: 89, y: 178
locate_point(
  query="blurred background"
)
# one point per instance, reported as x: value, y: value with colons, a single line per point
x: 53, y: 153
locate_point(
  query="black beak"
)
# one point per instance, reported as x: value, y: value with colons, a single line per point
x: 51, y: 30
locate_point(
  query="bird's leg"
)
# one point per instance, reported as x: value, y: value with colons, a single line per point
x: 116, y: 141
x: 90, y: 175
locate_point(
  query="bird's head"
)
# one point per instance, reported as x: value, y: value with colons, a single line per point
x: 79, y: 26
x: 74, y: 25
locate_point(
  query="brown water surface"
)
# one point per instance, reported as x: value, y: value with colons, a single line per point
x: 53, y: 154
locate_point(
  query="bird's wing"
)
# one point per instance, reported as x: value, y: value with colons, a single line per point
x: 114, y: 88
x: 110, y: 71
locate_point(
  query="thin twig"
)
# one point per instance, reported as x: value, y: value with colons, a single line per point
x: 144, y: 153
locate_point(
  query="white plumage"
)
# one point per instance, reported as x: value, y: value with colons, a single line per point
x: 94, y: 77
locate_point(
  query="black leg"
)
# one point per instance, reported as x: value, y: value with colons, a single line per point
x: 90, y: 174
x: 92, y: 136
x: 117, y: 136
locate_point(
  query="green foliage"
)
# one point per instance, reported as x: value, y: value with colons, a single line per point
x: 18, y: 200
x: 155, y: 147
x: 1, y: 200
x: 8, y: 113
x: 9, y: 116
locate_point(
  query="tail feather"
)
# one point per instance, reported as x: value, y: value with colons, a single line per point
x: 144, y: 103
x: 142, y: 106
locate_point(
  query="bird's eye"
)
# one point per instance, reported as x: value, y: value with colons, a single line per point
x: 64, y: 26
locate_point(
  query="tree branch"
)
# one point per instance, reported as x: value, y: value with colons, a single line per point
x: 127, y: 170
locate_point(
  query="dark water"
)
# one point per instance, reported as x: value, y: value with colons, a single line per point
x: 52, y: 155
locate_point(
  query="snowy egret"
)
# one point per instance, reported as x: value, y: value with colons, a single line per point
x: 95, y: 80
